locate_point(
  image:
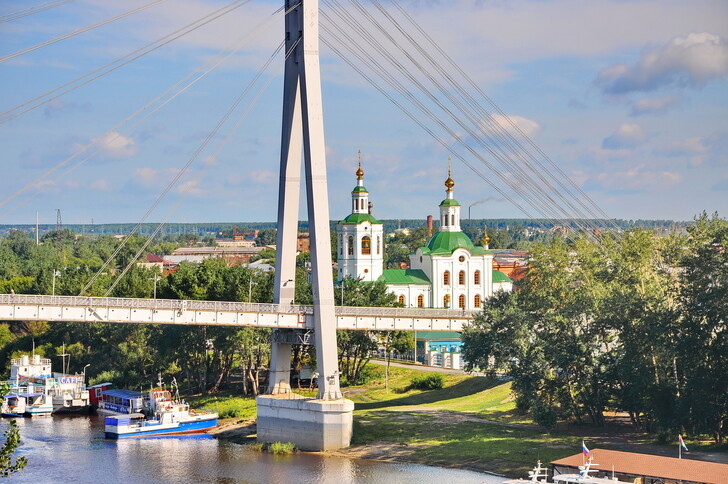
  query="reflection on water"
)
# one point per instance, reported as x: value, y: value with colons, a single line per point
x: 72, y: 449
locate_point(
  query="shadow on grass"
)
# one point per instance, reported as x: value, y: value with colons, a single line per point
x: 462, y: 389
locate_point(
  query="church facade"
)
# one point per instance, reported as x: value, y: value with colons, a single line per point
x: 449, y: 272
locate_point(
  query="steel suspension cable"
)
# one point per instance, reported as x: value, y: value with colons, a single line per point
x: 146, y: 110
x: 109, y: 67
x: 8, y: 17
x: 384, y: 74
x: 472, y: 84
x: 412, y: 116
x: 80, y: 31
x: 535, y: 193
x: 527, y: 194
x: 189, y: 162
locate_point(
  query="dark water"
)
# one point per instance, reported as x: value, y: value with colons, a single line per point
x: 72, y: 449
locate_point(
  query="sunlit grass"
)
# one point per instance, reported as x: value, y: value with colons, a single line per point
x: 226, y: 405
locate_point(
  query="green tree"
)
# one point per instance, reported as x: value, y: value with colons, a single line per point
x: 12, y: 440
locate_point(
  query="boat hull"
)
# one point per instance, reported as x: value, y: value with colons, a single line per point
x: 149, y: 429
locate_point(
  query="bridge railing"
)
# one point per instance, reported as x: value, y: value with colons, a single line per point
x: 224, y: 306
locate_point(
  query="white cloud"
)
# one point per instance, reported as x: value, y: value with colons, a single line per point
x: 654, y: 105
x: 99, y: 184
x: 149, y: 177
x: 190, y: 188
x: 687, y: 61
x: 637, y: 178
x: 626, y: 136
x: 529, y: 127
x: 116, y: 146
x: 263, y: 176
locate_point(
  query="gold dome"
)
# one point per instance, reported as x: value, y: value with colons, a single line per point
x: 359, y: 172
x: 449, y: 183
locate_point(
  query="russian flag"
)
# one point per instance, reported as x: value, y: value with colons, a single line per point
x: 584, y: 450
x: 682, y: 443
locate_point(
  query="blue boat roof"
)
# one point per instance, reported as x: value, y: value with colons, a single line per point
x: 121, y: 393
x: 31, y: 394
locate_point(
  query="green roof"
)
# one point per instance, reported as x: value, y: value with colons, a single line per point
x: 437, y: 335
x: 449, y: 202
x: 404, y: 276
x: 358, y: 189
x: 445, y: 243
x: 498, y: 276
x: 358, y: 218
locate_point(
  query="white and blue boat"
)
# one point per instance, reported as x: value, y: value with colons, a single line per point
x: 168, y: 417
x: 37, y: 403
x: 13, y: 405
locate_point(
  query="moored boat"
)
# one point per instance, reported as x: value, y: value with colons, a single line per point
x: 37, y: 403
x: 168, y: 416
x: 13, y: 405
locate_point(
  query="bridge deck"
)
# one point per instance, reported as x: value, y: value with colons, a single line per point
x: 27, y: 307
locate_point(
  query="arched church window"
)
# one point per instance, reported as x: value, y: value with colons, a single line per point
x: 446, y: 278
x: 350, y: 245
x: 401, y: 299
x: 477, y: 301
x: 446, y: 301
x: 420, y: 301
x: 341, y: 245
x: 366, y: 245
x: 379, y: 245
x: 461, y: 278
x: 444, y: 220
x: 476, y: 278
x: 461, y: 301
x: 452, y: 219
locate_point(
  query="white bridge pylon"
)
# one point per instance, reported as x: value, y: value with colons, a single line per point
x: 31, y: 307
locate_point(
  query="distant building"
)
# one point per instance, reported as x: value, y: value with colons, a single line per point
x: 232, y: 255
x: 645, y: 468
x: 450, y: 272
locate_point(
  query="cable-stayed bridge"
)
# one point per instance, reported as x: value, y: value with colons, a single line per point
x: 88, y: 309
x: 397, y: 57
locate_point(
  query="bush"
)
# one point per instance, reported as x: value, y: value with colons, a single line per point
x: 543, y: 414
x: 433, y: 381
x: 273, y: 447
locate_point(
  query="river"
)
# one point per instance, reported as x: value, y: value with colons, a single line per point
x: 72, y: 449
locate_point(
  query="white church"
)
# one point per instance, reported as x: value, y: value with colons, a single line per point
x: 450, y: 272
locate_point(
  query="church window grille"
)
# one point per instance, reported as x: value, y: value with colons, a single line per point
x: 476, y: 278
x: 366, y: 245
x: 461, y: 301
x: 477, y: 301
x: 401, y: 299
x: 379, y: 245
x: 446, y: 278
x: 452, y: 219
x: 461, y: 278
x: 350, y: 246
x: 420, y: 301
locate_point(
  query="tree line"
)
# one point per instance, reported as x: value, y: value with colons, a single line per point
x: 632, y: 322
x: 202, y: 358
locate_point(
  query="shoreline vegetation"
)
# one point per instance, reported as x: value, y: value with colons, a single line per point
x: 471, y: 423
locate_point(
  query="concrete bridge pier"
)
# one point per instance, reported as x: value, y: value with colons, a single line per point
x: 324, y: 423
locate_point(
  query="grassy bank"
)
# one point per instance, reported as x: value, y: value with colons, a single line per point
x: 471, y: 422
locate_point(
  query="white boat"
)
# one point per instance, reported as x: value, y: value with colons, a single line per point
x: 37, y: 403
x: 537, y: 475
x: 68, y: 393
x: 584, y: 476
x: 169, y: 416
x: 13, y: 405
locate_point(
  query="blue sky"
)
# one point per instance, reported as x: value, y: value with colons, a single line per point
x: 629, y: 98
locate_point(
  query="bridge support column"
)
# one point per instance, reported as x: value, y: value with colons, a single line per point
x: 279, y: 375
x: 326, y: 422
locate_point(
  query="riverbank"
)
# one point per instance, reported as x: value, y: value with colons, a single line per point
x: 471, y: 423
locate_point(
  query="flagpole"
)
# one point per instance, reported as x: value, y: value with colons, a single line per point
x: 679, y: 450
